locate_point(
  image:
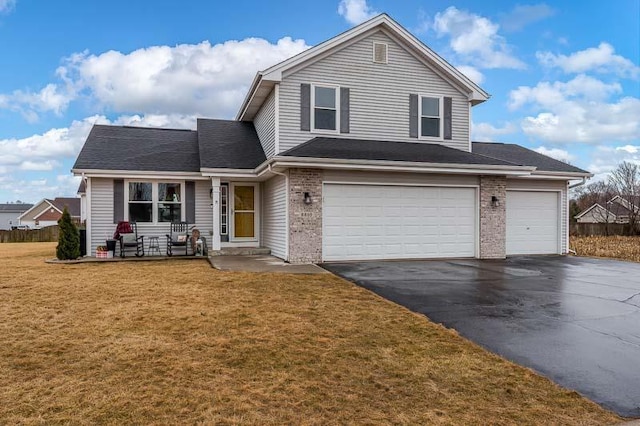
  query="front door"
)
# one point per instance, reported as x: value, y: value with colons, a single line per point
x: 244, y: 211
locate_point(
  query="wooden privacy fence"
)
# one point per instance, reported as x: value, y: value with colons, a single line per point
x: 599, y: 229
x: 50, y: 233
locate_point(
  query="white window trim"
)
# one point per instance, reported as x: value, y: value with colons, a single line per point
x: 440, y: 109
x: 313, y: 108
x: 154, y: 199
x: 373, y: 53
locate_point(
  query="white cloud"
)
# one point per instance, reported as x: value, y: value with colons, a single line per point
x: 51, y: 98
x: 186, y: 79
x: 558, y: 154
x: 631, y: 149
x: 579, y: 110
x: 485, y: 132
x: 32, y: 191
x: 355, y: 11
x: 548, y: 94
x: 606, y: 158
x: 601, y: 59
x: 523, y: 15
x: 476, y: 39
x: 473, y: 73
x: 7, y: 5
x: 592, y: 122
x: 45, y: 165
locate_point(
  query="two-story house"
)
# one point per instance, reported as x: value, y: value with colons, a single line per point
x: 358, y: 148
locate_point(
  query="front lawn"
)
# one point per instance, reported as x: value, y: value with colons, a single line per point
x: 614, y: 247
x: 180, y: 343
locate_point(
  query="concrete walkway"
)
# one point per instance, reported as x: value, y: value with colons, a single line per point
x: 261, y: 263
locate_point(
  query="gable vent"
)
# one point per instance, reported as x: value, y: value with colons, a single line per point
x: 380, y: 55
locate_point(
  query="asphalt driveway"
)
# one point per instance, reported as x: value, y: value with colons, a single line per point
x: 574, y: 320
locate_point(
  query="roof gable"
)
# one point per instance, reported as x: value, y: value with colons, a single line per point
x: 264, y: 80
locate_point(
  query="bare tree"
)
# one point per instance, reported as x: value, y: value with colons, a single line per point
x: 625, y: 180
x: 599, y: 193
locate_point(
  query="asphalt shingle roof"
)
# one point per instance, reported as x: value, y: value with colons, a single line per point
x: 140, y: 148
x: 14, y: 208
x: 360, y: 149
x: 229, y: 144
x: 72, y: 204
x: 521, y: 155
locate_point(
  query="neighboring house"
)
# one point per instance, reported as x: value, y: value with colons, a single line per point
x: 9, y: 214
x: 47, y: 212
x: 617, y: 210
x: 358, y: 148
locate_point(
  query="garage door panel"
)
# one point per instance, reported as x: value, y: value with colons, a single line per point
x: 532, y: 222
x: 398, y: 222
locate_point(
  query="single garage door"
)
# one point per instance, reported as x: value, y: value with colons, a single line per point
x: 532, y: 222
x: 397, y: 222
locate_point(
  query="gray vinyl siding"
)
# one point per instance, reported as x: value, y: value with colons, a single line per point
x: 274, y: 216
x: 204, y: 209
x: 7, y: 220
x: 265, y: 124
x: 102, y: 226
x: 379, y: 94
x: 546, y: 185
x: 101, y: 220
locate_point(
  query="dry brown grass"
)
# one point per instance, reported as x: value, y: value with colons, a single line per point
x: 615, y: 247
x: 180, y: 343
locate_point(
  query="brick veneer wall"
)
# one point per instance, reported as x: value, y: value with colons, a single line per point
x: 493, y: 220
x: 305, y: 221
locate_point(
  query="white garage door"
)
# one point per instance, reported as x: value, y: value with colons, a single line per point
x: 532, y: 222
x: 397, y: 222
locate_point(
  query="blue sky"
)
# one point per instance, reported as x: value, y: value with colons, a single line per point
x: 564, y: 75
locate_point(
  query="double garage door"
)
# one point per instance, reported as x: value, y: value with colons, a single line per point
x: 397, y: 222
x: 365, y: 222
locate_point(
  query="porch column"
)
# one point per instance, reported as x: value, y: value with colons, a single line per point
x: 215, y: 205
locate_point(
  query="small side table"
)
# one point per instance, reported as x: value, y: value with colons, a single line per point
x: 154, y: 246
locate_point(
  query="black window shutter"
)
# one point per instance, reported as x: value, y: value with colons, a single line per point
x: 190, y: 201
x: 305, y: 107
x: 118, y: 200
x: 344, y: 110
x: 448, y: 118
x: 413, y: 115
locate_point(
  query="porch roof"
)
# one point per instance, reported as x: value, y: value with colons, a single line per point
x: 521, y: 155
x: 139, y: 149
x: 361, y: 149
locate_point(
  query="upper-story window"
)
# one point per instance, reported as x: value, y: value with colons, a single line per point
x: 325, y: 108
x: 430, y: 116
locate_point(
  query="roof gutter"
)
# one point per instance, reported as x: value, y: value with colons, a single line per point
x: 582, y: 182
x: 449, y: 168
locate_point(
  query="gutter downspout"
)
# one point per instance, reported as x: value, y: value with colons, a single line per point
x: 575, y: 185
x: 286, y: 184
